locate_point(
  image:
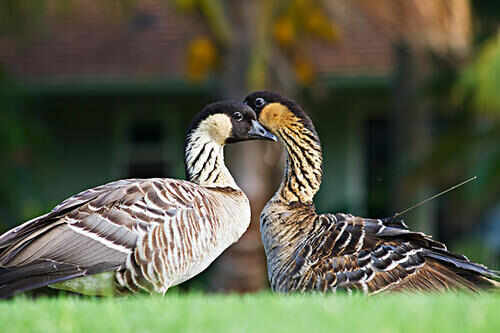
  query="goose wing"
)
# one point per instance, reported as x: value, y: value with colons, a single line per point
x: 91, y: 232
x: 348, y: 252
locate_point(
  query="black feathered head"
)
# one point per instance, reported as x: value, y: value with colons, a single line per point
x: 275, y: 111
x: 228, y: 122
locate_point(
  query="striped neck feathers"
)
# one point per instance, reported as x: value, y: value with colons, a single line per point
x: 204, y: 153
x: 303, y: 169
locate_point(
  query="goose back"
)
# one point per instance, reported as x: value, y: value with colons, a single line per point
x: 342, y: 252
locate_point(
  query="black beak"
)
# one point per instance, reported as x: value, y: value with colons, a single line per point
x: 259, y: 132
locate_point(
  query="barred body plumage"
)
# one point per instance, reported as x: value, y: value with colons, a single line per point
x: 307, y: 251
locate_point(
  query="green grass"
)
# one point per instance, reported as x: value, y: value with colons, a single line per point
x: 254, y: 313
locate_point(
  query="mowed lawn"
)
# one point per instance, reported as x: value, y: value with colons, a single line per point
x: 255, y: 313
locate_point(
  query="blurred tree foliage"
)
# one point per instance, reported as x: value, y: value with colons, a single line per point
x: 476, y: 89
x: 479, y: 82
x: 296, y: 21
x: 467, y: 137
x: 282, y: 26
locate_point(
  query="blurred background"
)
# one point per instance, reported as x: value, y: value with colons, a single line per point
x: 404, y: 94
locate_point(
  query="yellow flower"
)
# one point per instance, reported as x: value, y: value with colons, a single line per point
x: 284, y: 31
x: 201, y: 58
x: 318, y: 24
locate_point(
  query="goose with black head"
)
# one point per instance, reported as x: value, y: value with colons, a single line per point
x: 307, y: 251
x: 142, y: 234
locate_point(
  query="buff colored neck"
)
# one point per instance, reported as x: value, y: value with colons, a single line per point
x: 303, y: 168
x: 204, y: 161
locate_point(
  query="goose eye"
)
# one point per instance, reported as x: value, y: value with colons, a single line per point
x: 259, y: 102
x: 237, y: 116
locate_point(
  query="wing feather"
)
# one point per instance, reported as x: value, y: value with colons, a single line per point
x: 348, y: 252
x: 102, y: 226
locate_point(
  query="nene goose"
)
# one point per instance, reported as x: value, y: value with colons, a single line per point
x: 151, y: 234
x: 307, y: 251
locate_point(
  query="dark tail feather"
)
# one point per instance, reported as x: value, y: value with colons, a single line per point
x: 462, y: 263
x: 14, y: 280
x: 478, y: 274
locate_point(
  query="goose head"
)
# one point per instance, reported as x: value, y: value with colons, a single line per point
x: 216, y: 125
x: 280, y: 114
x: 228, y: 122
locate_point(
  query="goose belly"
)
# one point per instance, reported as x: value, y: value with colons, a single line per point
x: 170, y: 254
x: 223, y: 237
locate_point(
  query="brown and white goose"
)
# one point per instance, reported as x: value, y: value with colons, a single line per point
x: 150, y: 233
x: 327, y: 252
